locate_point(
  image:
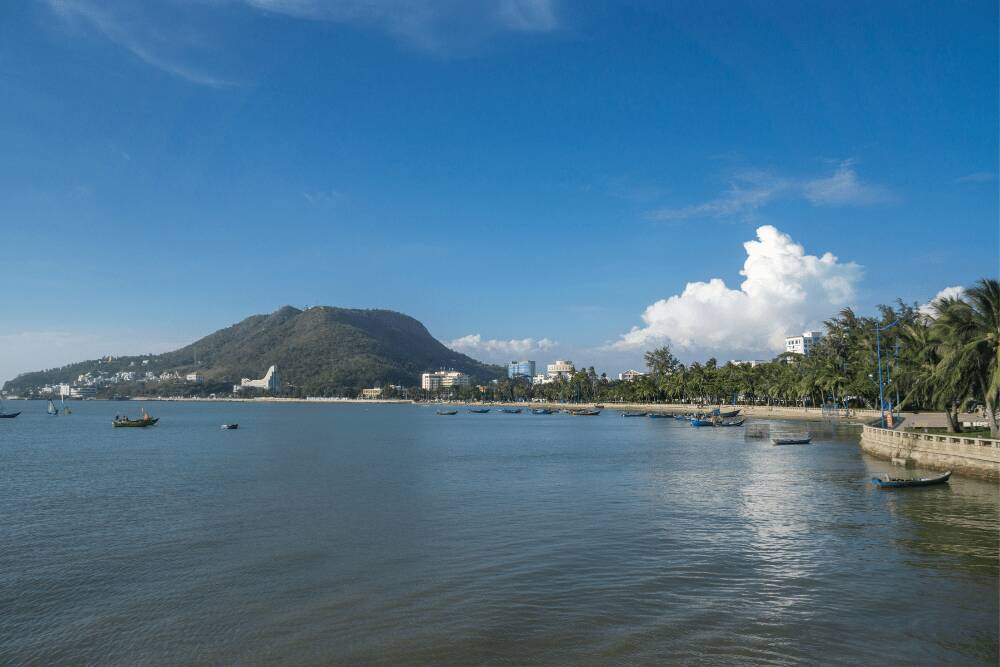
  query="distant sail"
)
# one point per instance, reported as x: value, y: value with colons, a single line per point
x: 52, y: 408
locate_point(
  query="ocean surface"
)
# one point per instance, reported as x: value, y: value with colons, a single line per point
x: 388, y: 535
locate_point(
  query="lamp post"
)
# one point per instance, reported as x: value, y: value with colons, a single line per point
x: 878, y: 353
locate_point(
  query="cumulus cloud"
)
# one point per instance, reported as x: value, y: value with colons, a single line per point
x: 749, y: 191
x: 475, y: 343
x: 954, y: 292
x: 784, y: 291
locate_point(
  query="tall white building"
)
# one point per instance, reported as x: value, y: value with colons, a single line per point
x: 560, y: 368
x: 442, y: 379
x: 271, y: 382
x: 802, y: 344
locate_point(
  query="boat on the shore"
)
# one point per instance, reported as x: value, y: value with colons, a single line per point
x: 695, y: 421
x: 889, y: 482
x: 730, y: 414
x: 634, y: 414
x: 659, y: 415
x: 681, y: 417
x: 731, y: 422
x: 583, y: 413
x: 447, y: 413
x: 511, y: 411
x: 542, y: 411
x: 229, y: 427
x: 791, y: 441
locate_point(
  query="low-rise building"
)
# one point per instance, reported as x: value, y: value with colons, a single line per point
x: 82, y: 392
x: 803, y: 343
x: 630, y: 375
x: 540, y: 378
x: 374, y: 392
x: 442, y: 379
x: 747, y: 362
x: 197, y: 378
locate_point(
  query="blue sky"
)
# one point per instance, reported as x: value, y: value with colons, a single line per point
x: 548, y: 176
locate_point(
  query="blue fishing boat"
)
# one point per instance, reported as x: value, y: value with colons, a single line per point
x: 681, y: 417
x: 701, y: 422
x: 659, y: 415
x: 889, y: 482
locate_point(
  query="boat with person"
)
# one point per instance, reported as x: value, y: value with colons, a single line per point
x: 125, y: 422
x: 889, y: 482
x: 803, y: 440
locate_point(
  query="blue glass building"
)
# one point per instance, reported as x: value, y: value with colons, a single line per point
x: 524, y: 369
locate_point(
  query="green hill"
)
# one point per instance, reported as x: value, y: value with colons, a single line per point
x: 319, y: 350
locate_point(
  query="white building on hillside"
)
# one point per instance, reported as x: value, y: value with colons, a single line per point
x: 442, y: 379
x: 271, y: 382
x: 197, y: 378
x: 630, y: 375
x: 802, y: 344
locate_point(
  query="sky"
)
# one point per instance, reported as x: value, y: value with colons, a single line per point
x: 529, y: 178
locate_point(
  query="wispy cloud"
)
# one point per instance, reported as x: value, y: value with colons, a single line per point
x: 749, y: 191
x: 501, y: 349
x: 164, y: 44
x: 978, y: 177
x: 319, y: 197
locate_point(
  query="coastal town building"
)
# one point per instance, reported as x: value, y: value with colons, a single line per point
x: 197, y: 378
x: 444, y: 379
x: 540, y: 378
x: 560, y: 369
x: 630, y: 375
x: 271, y: 382
x: 747, y: 362
x: 374, y: 392
x: 803, y: 343
x: 82, y: 392
x: 521, y: 369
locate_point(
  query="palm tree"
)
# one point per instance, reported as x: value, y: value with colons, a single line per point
x: 969, y: 329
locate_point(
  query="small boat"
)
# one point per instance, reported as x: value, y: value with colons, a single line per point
x: 889, y: 482
x: 731, y: 422
x: 659, y: 415
x: 445, y: 413
x: 542, y: 411
x: 599, y: 407
x: 634, y: 414
x: 134, y: 423
x: 791, y: 441
x: 511, y: 411
x: 584, y: 413
x: 7, y: 415
x: 730, y: 414
x: 479, y: 411
x: 52, y: 410
x: 229, y: 427
x: 701, y: 422
x: 681, y: 417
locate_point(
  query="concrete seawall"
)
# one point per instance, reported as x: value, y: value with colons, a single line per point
x: 977, y: 457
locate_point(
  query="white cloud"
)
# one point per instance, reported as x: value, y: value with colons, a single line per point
x: 184, y: 38
x: 493, y: 348
x: 751, y: 190
x: 785, y: 290
x: 954, y: 292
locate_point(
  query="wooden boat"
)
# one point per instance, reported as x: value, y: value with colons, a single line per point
x: 9, y: 415
x: 731, y: 422
x: 888, y: 482
x: 584, y: 413
x: 542, y: 411
x: 511, y: 411
x: 659, y: 415
x: 730, y: 414
x: 701, y: 422
x: 447, y: 412
x: 791, y: 441
x: 135, y: 423
x: 479, y: 411
x: 229, y: 427
x: 634, y: 414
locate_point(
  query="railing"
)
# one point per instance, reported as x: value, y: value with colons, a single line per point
x: 885, y: 434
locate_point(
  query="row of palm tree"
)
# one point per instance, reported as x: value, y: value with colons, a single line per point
x: 940, y: 358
